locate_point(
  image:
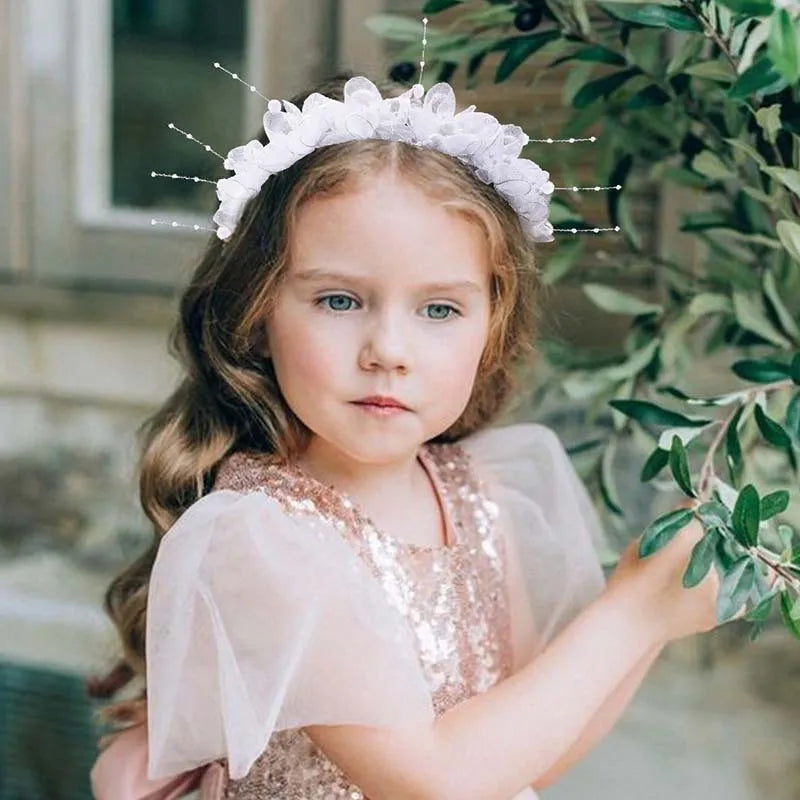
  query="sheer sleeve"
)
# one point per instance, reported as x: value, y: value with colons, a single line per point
x: 259, y: 621
x: 553, y: 535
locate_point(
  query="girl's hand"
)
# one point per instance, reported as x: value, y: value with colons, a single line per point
x: 655, y: 582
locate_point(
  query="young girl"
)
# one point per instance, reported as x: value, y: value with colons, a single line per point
x: 358, y: 588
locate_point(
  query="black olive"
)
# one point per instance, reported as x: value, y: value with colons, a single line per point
x: 402, y: 72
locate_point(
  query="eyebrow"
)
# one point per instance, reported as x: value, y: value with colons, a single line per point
x: 323, y: 274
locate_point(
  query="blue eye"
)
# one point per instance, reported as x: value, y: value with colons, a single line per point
x: 336, y: 306
x: 445, y: 307
x: 339, y: 303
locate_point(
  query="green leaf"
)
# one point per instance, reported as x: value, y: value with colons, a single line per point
x: 761, y: 370
x: 771, y: 430
x: 745, y: 148
x: 651, y: 414
x: 761, y: 74
x: 733, y: 448
x: 562, y: 259
x: 687, y: 51
x: 769, y: 120
x: 684, y: 434
x: 750, y: 314
x: 662, y: 530
x: 789, y: 234
x: 602, y: 87
x: 435, y: 6
x: 753, y: 8
x: 761, y: 611
x: 703, y: 220
x: 653, y: 16
x: 596, y: 54
x: 656, y: 461
x: 618, y: 177
x: 713, y: 514
x: 727, y: 553
x: 746, y: 516
x: 607, y: 487
x: 649, y: 97
x: 709, y: 164
x: 782, y: 45
x: 786, y: 612
x: 794, y: 368
x: 775, y: 301
x: 520, y: 48
x: 774, y: 503
x: 679, y: 466
x: 701, y: 560
x: 790, y: 178
x: 582, y: 447
x: 717, y: 70
x: 618, y: 302
x: 735, y: 589
x: 793, y: 417
x: 397, y: 28
x: 708, y: 303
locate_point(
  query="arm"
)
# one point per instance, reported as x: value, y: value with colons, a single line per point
x: 603, y: 721
x: 494, y: 744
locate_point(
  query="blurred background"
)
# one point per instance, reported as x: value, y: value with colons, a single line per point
x: 87, y: 294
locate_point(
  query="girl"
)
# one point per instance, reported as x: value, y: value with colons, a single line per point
x: 357, y: 587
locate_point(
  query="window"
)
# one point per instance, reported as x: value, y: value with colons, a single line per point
x: 161, y: 71
x: 103, y: 78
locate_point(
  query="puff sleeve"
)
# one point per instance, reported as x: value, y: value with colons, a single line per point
x: 259, y: 621
x: 554, y: 539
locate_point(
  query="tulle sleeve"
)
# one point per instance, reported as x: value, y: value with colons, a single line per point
x: 553, y: 535
x: 259, y: 621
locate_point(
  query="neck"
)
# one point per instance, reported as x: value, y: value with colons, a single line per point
x: 400, y: 477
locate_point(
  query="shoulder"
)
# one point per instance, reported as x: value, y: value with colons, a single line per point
x: 511, y: 439
x: 518, y: 454
x: 245, y: 471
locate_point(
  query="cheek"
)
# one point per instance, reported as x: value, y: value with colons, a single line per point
x: 457, y: 361
x: 302, y: 353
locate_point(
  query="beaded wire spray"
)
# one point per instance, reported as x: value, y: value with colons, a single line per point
x: 520, y: 181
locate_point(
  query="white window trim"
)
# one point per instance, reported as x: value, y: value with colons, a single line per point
x: 92, y: 81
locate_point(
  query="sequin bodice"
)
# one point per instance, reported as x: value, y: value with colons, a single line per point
x: 452, y: 597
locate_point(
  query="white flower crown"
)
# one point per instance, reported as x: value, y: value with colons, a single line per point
x: 425, y: 119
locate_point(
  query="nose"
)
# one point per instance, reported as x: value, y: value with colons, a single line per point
x: 387, y: 342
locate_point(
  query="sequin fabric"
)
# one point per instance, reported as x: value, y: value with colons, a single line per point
x: 452, y: 596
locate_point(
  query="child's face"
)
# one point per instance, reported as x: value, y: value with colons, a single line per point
x: 379, y: 329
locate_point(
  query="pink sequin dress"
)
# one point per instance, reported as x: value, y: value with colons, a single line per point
x: 452, y: 597
x: 275, y: 603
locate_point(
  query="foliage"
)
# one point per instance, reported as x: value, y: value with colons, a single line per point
x: 704, y: 96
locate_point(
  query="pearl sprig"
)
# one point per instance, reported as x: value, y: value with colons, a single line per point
x: 181, y: 177
x: 617, y: 188
x: 571, y: 140
x: 585, y: 230
x: 424, y: 42
x: 175, y: 224
x: 173, y: 127
x: 233, y: 75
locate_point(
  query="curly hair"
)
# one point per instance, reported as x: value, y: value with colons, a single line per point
x: 228, y: 397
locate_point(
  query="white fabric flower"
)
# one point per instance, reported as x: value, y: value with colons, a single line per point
x: 427, y: 119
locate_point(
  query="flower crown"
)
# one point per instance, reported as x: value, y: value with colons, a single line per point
x: 425, y: 119
x: 419, y: 118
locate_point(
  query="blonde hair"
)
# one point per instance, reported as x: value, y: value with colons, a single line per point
x: 229, y: 398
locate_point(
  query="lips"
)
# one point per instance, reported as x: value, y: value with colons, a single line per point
x: 383, y: 401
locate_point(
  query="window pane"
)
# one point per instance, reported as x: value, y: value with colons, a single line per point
x: 163, y: 54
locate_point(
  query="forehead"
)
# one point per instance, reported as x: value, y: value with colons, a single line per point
x: 387, y: 228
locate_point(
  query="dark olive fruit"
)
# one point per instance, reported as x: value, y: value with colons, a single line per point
x: 528, y: 18
x: 402, y: 72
